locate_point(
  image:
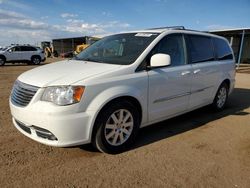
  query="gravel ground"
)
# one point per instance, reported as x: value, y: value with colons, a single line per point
x: 198, y: 149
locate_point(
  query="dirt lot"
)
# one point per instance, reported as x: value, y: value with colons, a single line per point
x: 199, y: 149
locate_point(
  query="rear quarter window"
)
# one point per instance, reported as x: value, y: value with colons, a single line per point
x: 222, y: 49
x: 200, y: 49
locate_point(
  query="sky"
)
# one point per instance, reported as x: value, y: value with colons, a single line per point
x: 33, y: 21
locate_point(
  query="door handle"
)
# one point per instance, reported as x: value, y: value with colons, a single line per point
x: 197, y: 71
x: 185, y: 73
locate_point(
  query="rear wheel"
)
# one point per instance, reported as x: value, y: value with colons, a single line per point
x: 2, y: 61
x: 221, y: 97
x: 36, y: 60
x: 117, y: 127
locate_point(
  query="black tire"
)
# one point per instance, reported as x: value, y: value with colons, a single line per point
x: 102, y: 132
x: 2, y: 61
x: 221, y: 97
x: 36, y: 60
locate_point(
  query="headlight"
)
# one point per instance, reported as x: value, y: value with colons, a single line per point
x: 63, y: 95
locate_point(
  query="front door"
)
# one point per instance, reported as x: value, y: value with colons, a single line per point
x: 169, y: 87
x: 13, y: 54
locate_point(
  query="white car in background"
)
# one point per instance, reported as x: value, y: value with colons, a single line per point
x: 121, y: 83
x: 21, y: 53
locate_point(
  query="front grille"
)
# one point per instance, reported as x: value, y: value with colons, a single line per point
x: 23, y: 127
x: 22, y: 93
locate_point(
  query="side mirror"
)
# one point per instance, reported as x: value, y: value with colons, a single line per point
x: 160, y: 60
x: 10, y: 50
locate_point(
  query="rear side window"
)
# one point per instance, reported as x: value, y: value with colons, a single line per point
x: 223, y: 51
x: 200, y: 48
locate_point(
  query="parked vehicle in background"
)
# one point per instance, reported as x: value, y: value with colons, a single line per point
x: 121, y: 83
x: 22, y: 53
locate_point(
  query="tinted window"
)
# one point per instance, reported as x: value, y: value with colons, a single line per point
x: 200, y: 49
x: 27, y: 48
x: 24, y: 48
x: 15, y: 49
x: 173, y: 46
x: 223, y: 51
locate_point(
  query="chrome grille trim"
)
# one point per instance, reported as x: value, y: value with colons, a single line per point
x: 22, y: 93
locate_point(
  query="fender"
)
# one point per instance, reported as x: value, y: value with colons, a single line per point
x: 110, y: 94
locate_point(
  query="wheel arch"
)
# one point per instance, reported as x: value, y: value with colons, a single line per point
x: 3, y: 56
x: 133, y: 100
x: 226, y: 81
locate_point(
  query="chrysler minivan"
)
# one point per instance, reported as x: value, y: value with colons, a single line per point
x: 121, y: 83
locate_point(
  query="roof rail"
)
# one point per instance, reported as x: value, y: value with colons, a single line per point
x: 170, y: 27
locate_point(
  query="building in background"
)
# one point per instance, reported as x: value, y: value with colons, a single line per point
x: 240, y: 42
x: 64, y: 45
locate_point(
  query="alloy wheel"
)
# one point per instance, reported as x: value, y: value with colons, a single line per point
x: 221, y: 98
x: 119, y: 127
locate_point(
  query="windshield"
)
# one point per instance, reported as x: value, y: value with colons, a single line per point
x: 3, y: 49
x: 122, y: 49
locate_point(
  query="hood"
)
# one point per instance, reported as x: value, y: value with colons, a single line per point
x: 64, y: 73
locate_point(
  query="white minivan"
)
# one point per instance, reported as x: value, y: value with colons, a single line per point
x: 121, y: 83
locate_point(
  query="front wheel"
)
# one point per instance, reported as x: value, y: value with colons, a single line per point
x: 2, y: 61
x: 221, y: 97
x: 117, y: 127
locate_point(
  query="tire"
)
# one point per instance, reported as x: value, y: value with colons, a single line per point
x: 112, y: 134
x: 2, y: 61
x: 221, y: 96
x: 36, y: 60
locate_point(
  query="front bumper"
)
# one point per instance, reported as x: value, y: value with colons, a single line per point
x: 62, y: 129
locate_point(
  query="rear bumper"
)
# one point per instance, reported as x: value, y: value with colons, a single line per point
x: 44, y: 59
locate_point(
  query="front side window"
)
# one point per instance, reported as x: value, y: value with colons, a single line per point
x: 15, y: 49
x: 122, y: 49
x: 200, y: 49
x: 173, y: 45
x: 223, y: 51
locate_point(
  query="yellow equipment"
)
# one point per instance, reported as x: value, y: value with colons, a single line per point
x: 48, y: 49
x: 80, y: 48
x: 89, y: 41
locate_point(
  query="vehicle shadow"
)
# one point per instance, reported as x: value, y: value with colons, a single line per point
x: 238, y: 101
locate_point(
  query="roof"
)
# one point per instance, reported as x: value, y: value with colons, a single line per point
x: 70, y: 38
x: 179, y: 29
